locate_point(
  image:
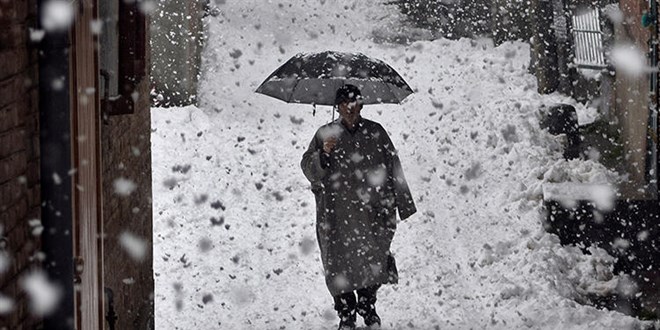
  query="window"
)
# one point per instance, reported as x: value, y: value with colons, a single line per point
x: 588, y: 40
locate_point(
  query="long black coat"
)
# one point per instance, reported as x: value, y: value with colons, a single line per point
x: 358, y: 189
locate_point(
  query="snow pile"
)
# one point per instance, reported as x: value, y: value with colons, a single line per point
x: 573, y: 274
x: 580, y: 171
x: 234, y: 232
x: 564, y: 271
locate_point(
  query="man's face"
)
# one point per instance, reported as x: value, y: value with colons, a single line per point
x: 350, y: 111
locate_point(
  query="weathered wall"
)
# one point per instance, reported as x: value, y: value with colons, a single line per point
x: 126, y: 143
x: 544, y: 47
x: 632, y: 97
x: 19, y: 154
x: 176, y: 40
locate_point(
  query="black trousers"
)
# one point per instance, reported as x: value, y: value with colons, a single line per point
x: 346, y: 304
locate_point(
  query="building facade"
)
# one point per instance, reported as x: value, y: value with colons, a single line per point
x: 75, y: 164
x: 605, y: 54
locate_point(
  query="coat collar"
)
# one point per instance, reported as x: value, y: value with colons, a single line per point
x: 357, y: 126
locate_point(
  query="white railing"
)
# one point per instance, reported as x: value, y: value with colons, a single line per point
x: 588, y: 40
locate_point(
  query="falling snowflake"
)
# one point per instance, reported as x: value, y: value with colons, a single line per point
x: 147, y: 6
x: 57, y: 15
x: 4, y: 261
x: 44, y: 296
x: 377, y: 177
x: 629, y: 60
x: 135, y: 246
x: 36, y: 226
x: 124, y: 187
x: 36, y: 35
x: 6, y: 305
x: 307, y: 245
x: 96, y: 26
x: 57, y: 179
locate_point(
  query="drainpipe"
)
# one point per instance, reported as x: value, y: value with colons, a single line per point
x: 650, y: 19
x: 657, y: 95
x: 55, y: 164
x: 655, y: 92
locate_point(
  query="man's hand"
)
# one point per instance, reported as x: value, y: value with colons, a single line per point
x: 329, y: 144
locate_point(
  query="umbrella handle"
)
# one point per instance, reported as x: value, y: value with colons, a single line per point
x: 333, y: 113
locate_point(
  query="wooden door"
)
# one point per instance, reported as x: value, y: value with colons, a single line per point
x: 86, y: 172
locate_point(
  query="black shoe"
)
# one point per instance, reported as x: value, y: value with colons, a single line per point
x: 347, y: 322
x: 372, y: 320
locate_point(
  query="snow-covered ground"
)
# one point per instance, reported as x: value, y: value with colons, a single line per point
x: 234, y: 237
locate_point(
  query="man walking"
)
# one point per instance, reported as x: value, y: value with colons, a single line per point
x: 358, y: 182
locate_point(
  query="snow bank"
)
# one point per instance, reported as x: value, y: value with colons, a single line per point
x: 234, y: 218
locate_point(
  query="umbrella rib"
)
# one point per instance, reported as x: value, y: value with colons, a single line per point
x: 396, y: 97
x: 405, y: 85
x: 293, y: 90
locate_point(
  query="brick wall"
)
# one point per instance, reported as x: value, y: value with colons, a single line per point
x: 126, y: 150
x: 19, y: 152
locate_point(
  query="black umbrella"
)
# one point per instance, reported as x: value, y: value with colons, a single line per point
x: 313, y: 78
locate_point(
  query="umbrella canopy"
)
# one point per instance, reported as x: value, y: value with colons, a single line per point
x: 313, y: 78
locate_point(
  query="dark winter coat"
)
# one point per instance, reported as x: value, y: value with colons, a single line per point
x: 358, y: 188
